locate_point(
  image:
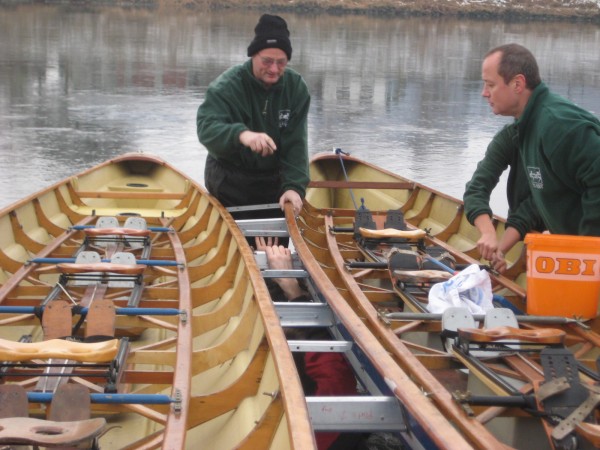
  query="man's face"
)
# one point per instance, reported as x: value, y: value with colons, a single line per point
x: 268, y: 65
x: 502, y: 97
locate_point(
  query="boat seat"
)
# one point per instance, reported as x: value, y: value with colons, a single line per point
x: 135, y: 223
x: 107, y: 222
x: 86, y: 257
x: 392, y: 233
x: 58, y: 348
x: 48, y: 433
x: 454, y: 318
x: 550, y: 336
x: 122, y: 259
x: 68, y: 423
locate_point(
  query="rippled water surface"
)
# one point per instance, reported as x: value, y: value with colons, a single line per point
x: 80, y: 86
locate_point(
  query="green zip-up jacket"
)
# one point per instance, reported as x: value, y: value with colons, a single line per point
x: 502, y: 152
x: 236, y: 101
x: 560, y: 149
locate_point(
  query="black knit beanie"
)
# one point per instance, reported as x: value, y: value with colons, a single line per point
x: 271, y: 32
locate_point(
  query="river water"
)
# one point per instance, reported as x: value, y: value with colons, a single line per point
x: 78, y: 86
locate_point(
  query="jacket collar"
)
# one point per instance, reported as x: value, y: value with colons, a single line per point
x: 540, y: 92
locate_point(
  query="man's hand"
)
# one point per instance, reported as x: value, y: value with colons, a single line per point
x: 498, y: 262
x: 488, y: 242
x: 260, y: 143
x: 487, y: 245
x: 294, y: 198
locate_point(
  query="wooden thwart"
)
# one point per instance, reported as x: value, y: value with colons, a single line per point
x: 58, y: 348
x: 129, y: 232
x: 392, y: 233
x: 421, y: 276
x: 539, y: 336
x: 121, y: 269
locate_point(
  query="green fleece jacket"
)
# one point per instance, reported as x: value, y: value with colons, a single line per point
x: 236, y: 101
x: 560, y: 150
x: 502, y: 152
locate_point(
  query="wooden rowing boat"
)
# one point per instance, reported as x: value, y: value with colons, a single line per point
x: 190, y: 352
x: 496, y: 379
x: 344, y: 187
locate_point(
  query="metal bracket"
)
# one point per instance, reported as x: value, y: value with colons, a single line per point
x: 361, y: 413
x: 304, y: 314
x: 263, y: 227
x: 320, y: 346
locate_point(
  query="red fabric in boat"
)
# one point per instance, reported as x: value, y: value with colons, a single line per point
x: 333, y: 376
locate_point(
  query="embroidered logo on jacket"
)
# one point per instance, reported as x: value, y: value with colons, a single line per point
x: 535, y: 175
x: 284, y: 118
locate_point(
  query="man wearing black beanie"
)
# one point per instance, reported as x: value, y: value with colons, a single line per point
x: 253, y: 122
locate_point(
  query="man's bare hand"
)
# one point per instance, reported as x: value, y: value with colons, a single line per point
x: 498, y: 262
x: 260, y: 143
x: 294, y: 198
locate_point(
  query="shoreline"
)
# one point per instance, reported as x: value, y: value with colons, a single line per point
x: 517, y: 10
x: 514, y: 10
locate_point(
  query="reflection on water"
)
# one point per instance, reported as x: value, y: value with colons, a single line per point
x: 80, y: 86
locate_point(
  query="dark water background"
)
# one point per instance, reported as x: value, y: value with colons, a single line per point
x: 78, y: 86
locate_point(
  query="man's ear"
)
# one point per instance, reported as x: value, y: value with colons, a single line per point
x: 520, y: 83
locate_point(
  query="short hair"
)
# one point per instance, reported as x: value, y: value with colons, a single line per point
x: 516, y: 60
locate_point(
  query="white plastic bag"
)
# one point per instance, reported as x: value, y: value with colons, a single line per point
x: 470, y: 288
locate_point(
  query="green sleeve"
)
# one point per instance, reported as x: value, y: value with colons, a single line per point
x: 487, y: 174
x: 218, y: 123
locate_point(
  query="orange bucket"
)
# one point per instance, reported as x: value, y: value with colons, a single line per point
x: 563, y: 275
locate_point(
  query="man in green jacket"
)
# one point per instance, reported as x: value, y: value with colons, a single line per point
x: 502, y: 153
x: 253, y: 122
x: 558, y: 142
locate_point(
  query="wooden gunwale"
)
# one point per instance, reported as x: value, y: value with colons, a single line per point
x: 176, y: 427
x: 25, y: 270
x: 420, y: 406
x: 360, y: 185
